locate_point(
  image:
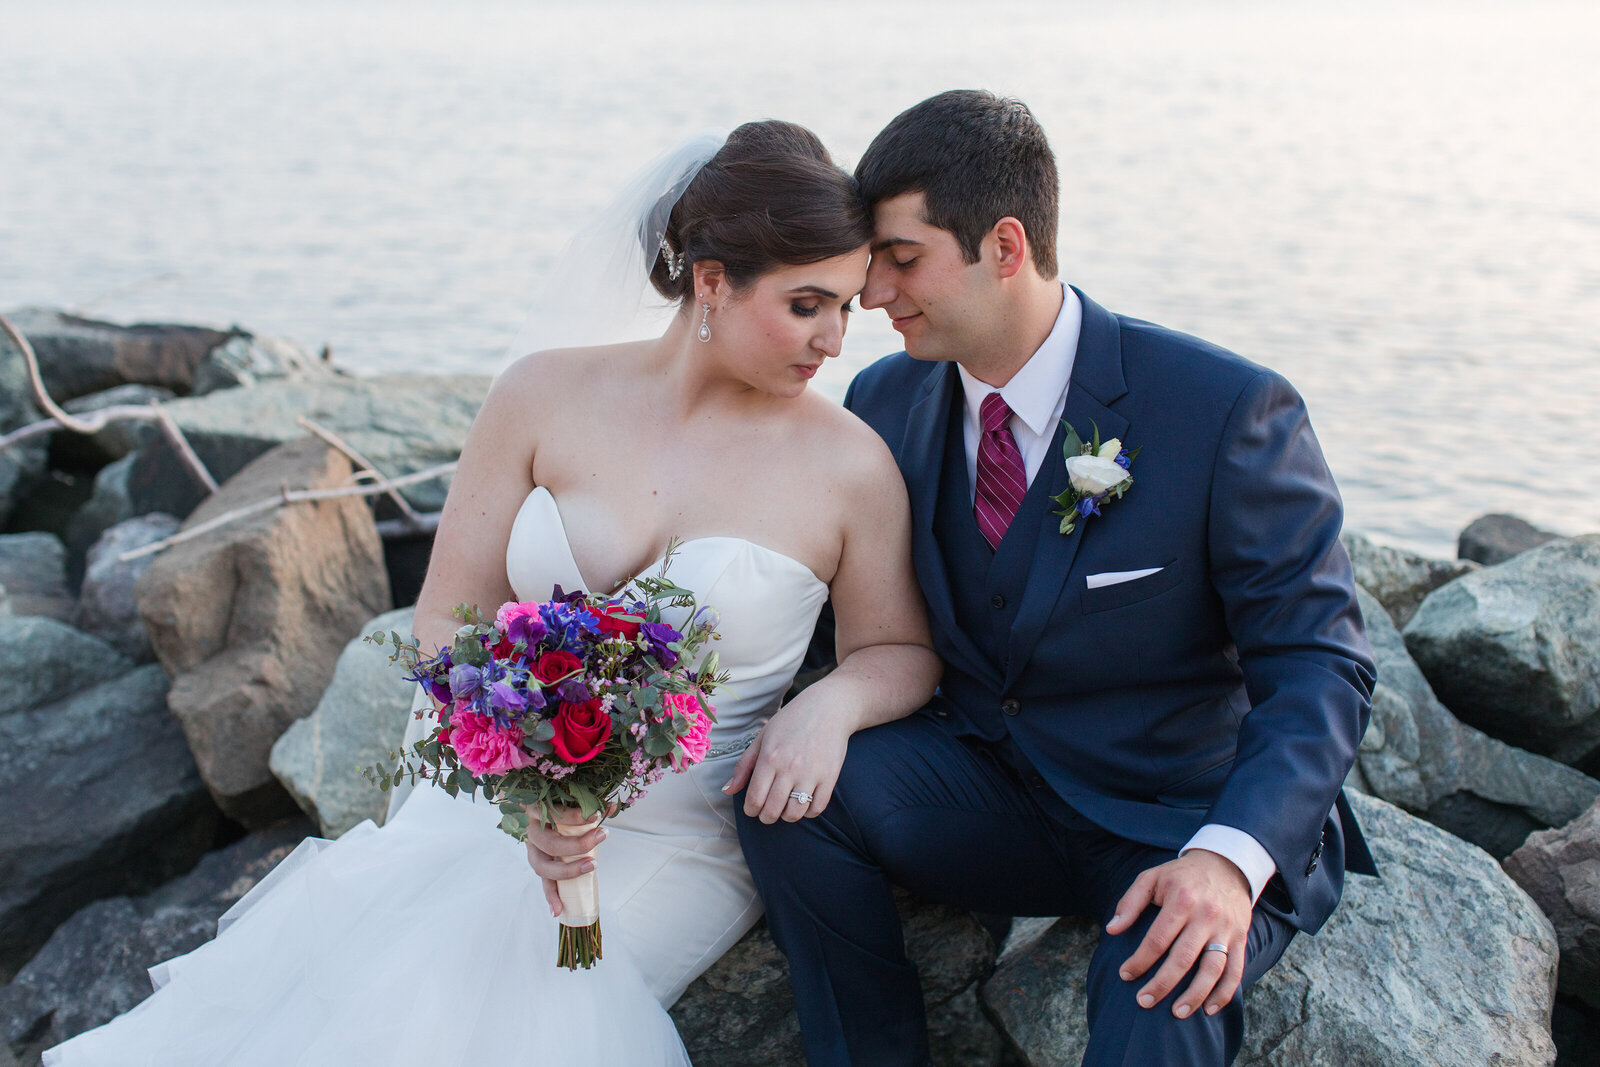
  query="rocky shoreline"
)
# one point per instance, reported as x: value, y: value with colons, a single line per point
x: 185, y: 718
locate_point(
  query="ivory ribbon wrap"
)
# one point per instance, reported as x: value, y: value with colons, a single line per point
x: 580, y: 896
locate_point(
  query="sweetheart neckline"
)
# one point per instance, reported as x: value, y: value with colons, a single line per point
x: 567, y: 540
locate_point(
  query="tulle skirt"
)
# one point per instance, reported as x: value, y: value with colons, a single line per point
x: 429, y: 942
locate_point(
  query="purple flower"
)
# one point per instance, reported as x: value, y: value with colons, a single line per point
x: 659, y: 635
x: 1123, y: 461
x: 507, y: 697
x: 466, y: 681
x: 528, y: 629
x: 573, y: 691
x: 1089, y: 505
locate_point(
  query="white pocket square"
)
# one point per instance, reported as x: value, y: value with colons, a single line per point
x: 1105, y: 578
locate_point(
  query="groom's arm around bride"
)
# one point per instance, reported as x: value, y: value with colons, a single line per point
x: 1145, y: 720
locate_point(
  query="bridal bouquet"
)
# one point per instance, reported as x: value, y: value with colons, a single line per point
x: 578, y: 701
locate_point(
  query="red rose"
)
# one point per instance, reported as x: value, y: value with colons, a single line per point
x: 611, y: 621
x: 502, y: 650
x: 581, y: 731
x: 555, y: 665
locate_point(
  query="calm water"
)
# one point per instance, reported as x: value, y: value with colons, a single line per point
x: 1394, y: 206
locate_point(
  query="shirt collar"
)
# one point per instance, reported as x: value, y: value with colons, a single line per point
x: 1034, y: 393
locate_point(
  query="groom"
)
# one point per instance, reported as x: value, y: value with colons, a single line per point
x: 1145, y: 720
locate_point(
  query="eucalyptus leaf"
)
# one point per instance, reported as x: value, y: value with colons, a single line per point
x: 1073, y: 444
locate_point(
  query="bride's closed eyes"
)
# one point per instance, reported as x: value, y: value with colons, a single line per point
x: 809, y: 310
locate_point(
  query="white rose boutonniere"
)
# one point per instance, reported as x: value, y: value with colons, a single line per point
x: 1096, y: 473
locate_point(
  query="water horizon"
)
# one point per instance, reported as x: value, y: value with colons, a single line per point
x: 1390, y: 204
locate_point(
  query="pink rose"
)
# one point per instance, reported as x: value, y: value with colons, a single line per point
x: 514, y: 610
x: 483, y: 747
x: 698, y: 739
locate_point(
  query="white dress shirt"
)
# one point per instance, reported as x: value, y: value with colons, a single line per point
x: 1037, y: 395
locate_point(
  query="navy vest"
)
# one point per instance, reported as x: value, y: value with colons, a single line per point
x: 985, y: 585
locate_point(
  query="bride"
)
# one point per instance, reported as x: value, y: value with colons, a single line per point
x: 430, y: 941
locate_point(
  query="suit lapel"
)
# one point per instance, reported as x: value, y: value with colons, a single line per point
x: 921, y: 459
x: 1096, y: 382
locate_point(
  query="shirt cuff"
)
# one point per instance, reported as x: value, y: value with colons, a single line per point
x: 1238, y: 848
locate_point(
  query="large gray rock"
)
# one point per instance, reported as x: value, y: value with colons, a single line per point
x: 1419, y: 756
x: 248, y: 360
x: 120, y: 437
x: 101, y: 797
x: 109, y: 503
x: 249, y: 618
x: 402, y: 423
x: 78, y: 356
x: 33, y: 568
x: 1492, y: 539
x: 1511, y: 649
x: 360, y: 719
x: 1560, y: 869
x: 21, y: 465
x: 43, y: 660
x: 1442, y: 961
x: 1399, y: 579
x: 107, y: 607
x: 95, y: 966
x: 741, y: 1011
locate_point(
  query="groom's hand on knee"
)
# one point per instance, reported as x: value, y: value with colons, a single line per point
x: 1204, y: 900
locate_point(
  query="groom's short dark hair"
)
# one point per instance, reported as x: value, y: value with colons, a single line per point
x: 975, y: 158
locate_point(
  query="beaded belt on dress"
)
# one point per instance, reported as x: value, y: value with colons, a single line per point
x: 728, y: 748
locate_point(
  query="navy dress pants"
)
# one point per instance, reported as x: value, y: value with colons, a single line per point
x: 949, y: 821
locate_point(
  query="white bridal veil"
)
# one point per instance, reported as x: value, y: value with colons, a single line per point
x: 598, y: 290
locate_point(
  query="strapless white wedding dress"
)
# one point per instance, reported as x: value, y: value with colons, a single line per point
x: 429, y: 942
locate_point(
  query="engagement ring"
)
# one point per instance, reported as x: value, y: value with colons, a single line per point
x: 804, y: 798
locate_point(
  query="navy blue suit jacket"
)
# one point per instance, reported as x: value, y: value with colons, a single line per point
x: 1232, y: 686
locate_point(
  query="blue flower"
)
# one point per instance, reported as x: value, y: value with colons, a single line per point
x: 1089, y: 505
x: 569, y: 625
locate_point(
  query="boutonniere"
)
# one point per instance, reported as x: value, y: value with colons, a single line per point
x: 1096, y: 473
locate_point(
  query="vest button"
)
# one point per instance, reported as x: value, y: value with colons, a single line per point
x: 1011, y: 707
x: 997, y: 602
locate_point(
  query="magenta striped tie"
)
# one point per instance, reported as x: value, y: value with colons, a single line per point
x: 1002, y: 479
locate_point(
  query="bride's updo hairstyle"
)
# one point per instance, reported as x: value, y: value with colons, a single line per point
x: 770, y: 197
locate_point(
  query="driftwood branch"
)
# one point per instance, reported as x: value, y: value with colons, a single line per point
x: 59, y: 418
x: 93, y: 423
x: 335, y: 441
x: 291, y: 496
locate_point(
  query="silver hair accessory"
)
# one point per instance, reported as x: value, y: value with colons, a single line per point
x: 674, y: 260
x: 598, y: 291
x: 705, y: 328
x: 804, y: 798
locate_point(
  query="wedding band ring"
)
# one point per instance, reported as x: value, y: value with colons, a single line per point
x: 1217, y: 947
x: 804, y: 798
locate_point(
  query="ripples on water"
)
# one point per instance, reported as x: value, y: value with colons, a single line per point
x: 1395, y: 209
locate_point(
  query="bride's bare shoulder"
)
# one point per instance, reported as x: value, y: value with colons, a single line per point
x: 562, y: 370
x: 542, y: 384
x: 855, y: 452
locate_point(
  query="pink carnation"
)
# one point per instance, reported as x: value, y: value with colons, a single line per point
x: 483, y: 747
x: 698, y: 739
